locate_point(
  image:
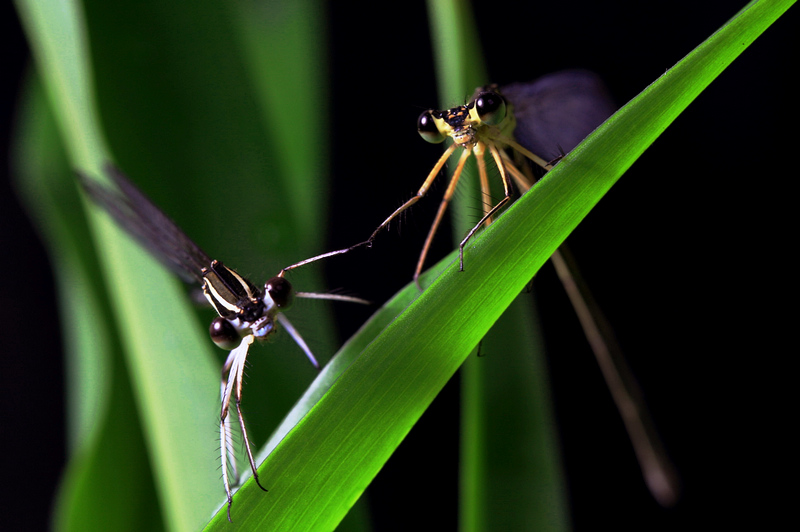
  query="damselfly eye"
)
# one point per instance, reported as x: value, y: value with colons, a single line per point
x: 281, y: 292
x: 223, y: 333
x: 426, y: 126
x: 491, y: 107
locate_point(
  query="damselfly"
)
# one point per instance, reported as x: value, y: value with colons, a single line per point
x: 546, y: 116
x: 246, y: 312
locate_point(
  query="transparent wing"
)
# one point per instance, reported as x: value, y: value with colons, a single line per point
x: 557, y: 111
x: 148, y: 224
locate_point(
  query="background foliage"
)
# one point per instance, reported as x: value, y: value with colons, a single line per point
x: 675, y: 257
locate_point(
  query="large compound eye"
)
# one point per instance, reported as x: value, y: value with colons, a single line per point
x: 426, y: 126
x: 223, y: 333
x: 491, y: 107
x: 281, y: 292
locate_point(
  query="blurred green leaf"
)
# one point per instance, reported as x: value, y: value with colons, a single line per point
x: 179, y: 103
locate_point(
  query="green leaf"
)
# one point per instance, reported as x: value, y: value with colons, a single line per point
x: 103, y: 423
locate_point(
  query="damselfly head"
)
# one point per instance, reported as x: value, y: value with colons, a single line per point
x: 463, y: 123
x: 256, y: 315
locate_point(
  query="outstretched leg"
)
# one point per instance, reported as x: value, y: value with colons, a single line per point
x: 448, y: 195
x: 420, y: 193
x: 232, y: 372
x: 507, y: 190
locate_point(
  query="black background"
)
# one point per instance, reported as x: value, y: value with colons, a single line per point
x: 707, y: 337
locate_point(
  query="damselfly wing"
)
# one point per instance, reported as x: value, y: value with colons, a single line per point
x: 246, y: 312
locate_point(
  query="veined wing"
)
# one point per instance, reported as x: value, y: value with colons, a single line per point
x: 557, y: 111
x: 148, y: 224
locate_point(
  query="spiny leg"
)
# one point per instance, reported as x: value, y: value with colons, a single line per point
x: 332, y: 297
x: 283, y: 320
x: 442, y: 208
x: 227, y: 447
x: 225, y: 437
x: 231, y: 379
x: 527, y: 153
x: 507, y: 190
x: 483, y: 177
x: 322, y: 256
x: 524, y: 180
x: 226, y: 456
x: 420, y: 193
x: 245, y: 438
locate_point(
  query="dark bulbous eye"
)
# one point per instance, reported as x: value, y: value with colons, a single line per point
x: 491, y: 107
x: 223, y: 333
x: 426, y: 126
x: 281, y: 292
